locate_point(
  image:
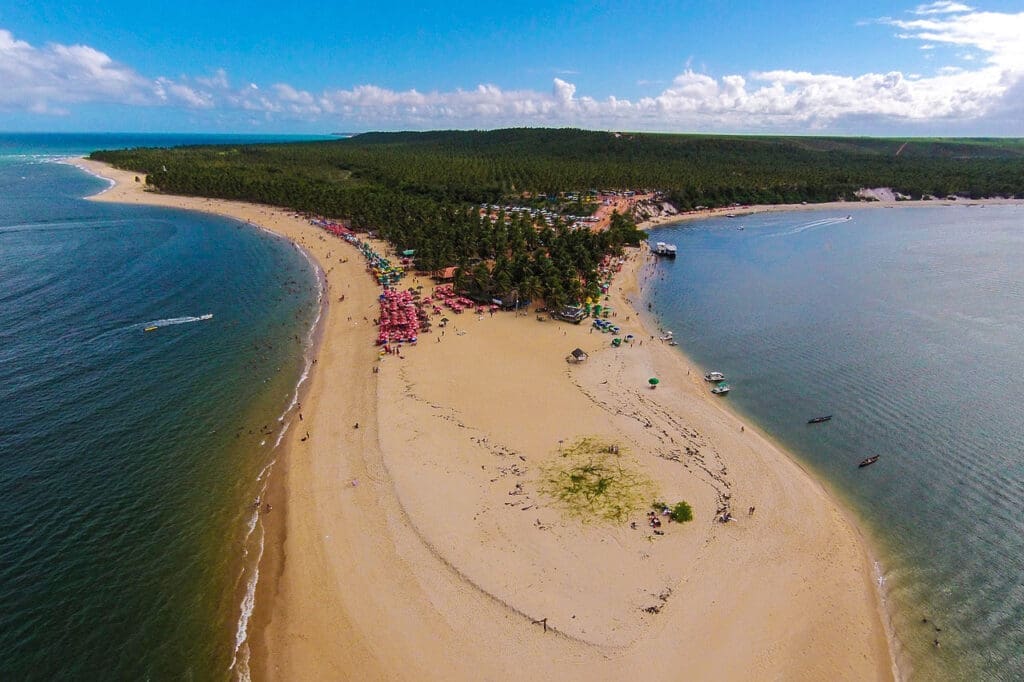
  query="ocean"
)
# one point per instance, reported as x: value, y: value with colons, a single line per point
x: 907, y: 325
x: 130, y: 459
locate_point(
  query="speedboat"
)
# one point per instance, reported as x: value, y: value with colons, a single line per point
x: 868, y: 461
x: 720, y: 389
x: 818, y: 420
x: 151, y: 328
x: 714, y: 376
x: 207, y: 316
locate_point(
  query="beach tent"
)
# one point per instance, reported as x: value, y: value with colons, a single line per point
x: 576, y: 356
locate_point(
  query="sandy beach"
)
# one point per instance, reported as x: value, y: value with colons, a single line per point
x: 411, y: 537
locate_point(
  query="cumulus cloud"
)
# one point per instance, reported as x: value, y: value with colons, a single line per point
x: 989, y: 85
x: 47, y: 79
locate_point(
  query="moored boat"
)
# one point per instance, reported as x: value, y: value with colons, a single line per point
x: 666, y: 250
x: 721, y: 389
x: 818, y: 420
x: 868, y: 461
x: 714, y: 376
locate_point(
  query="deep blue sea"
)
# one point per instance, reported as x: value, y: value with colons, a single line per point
x: 907, y: 325
x: 129, y: 459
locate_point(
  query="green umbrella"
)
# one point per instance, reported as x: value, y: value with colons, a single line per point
x: 653, y: 381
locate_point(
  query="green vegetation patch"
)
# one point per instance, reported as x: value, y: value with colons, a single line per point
x: 593, y: 481
x: 682, y: 512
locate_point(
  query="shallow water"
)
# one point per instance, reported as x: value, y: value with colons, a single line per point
x: 908, y: 326
x: 129, y: 459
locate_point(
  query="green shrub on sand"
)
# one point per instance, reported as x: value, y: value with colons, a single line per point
x: 682, y: 512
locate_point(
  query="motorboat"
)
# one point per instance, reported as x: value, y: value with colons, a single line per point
x: 868, y: 461
x: 207, y: 316
x: 721, y: 389
x: 714, y: 376
x: 818, y: 420
x: 151, y: 328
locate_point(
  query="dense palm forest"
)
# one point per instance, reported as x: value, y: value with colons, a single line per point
x: 421, y: 190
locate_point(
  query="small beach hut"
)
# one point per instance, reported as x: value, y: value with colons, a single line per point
x: 577, y: 356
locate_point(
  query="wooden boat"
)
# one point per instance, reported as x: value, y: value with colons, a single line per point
x: 818, y: 420
x: 868, y: 461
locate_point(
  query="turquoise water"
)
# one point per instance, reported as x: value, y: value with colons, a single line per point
x: 129, y: 459
x: 908, y: 326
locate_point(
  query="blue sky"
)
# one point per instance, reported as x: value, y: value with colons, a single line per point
x: 875, y: 68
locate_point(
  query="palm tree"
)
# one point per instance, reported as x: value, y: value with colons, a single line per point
x: 531, y: 289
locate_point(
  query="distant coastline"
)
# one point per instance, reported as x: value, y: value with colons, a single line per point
x: 362, y: 553
x: 839, y: 206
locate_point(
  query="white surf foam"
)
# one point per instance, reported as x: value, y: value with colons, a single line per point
x: 240, y: 656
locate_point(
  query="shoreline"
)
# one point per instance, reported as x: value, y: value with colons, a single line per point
x: 901, y: 667
x: 754, y: 209
x: 271, y: 528
x: 378, y: 580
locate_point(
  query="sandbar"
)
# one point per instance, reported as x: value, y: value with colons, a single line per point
x: 419, y: 546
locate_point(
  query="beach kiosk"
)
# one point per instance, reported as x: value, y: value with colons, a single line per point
x: 576, y: 357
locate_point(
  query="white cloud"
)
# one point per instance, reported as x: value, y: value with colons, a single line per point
x: 942, y: 7
x: 47, y: 79
x: 986, y: 80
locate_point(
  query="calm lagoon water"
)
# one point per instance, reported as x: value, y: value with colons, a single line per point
x: 907, y: 325
x: 129, y: 459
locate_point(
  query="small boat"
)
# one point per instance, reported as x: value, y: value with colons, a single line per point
x: 151, y: 328
x: 714, y: 376
x: 721, y: 389
x: 667, y: 336
x: 818, y: 420
x: 868, y: 461
x: 207, y: 316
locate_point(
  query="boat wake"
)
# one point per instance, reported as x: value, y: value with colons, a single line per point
x: 172, y: 321
x: 813, y: 225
